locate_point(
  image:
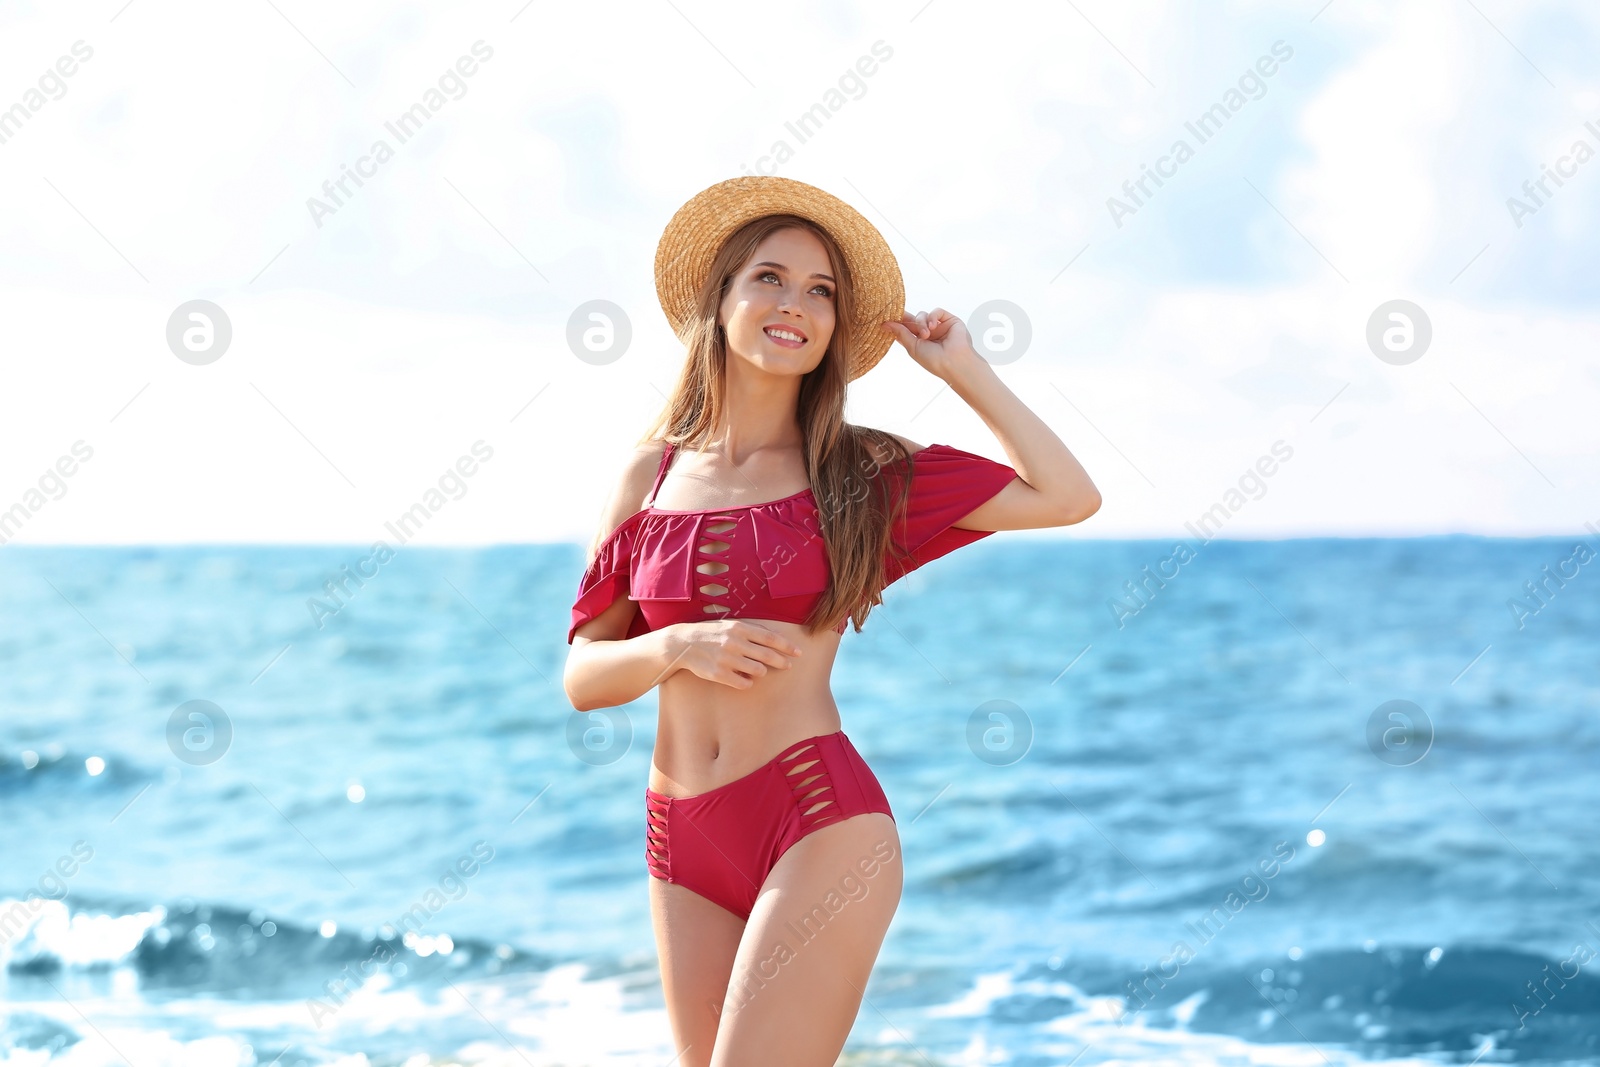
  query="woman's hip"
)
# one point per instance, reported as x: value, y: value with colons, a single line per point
x: 724, y: 841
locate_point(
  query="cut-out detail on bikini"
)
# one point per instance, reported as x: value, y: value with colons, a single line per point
x: 770, y: 560
x: 656, y: 855
x: 715, y: 547
x: 817, y: 813
x: 715, y: 521
x: 723, y: 844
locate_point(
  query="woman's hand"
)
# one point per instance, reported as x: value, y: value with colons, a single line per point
x: 936, y: 339
x: 734, y: 652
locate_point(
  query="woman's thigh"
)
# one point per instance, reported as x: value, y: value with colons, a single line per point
x: 809, y: 946
x: 696, y: 941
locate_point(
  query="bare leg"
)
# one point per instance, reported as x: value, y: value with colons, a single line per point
x: 696, y: 941
x: 809, y: 946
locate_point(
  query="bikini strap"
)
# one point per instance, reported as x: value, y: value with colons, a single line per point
x: 661, y: 473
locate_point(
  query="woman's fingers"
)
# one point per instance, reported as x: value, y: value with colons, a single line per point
x: 912, y: 328
x: 901, y: 334
x: 773, y: 649
x: 764, y: 647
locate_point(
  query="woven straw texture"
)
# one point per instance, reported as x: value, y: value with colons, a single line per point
x: 698, y: 229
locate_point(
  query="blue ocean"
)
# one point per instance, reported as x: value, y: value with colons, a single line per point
x: 1276, y: 802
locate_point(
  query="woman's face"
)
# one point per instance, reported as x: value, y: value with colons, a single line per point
x: 779, y: 308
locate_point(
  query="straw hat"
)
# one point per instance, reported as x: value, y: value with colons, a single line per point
x: 698, y: 229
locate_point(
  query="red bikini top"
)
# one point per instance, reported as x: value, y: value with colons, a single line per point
x: 769, y: 561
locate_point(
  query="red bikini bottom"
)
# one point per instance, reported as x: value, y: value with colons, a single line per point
x: 721, y: 844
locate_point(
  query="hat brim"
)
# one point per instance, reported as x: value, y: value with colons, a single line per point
x: 698, y: 230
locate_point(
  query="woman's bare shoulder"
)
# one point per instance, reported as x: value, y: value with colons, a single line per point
x: 631, y: 487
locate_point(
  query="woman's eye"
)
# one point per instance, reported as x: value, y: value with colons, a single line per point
x: 764, y: 275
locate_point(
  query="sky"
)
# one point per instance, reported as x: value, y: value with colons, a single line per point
x: 1368, y: 157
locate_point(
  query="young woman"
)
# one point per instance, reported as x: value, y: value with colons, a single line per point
x: 751, y: 524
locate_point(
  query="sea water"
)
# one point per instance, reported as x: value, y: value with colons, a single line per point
x: 1299, y: 802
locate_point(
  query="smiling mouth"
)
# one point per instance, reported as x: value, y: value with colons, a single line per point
x: 785, y: 336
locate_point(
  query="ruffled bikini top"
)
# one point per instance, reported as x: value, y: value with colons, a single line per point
x: 769, y: 561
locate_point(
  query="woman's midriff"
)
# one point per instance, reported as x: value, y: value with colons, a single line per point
x: 710, y: 734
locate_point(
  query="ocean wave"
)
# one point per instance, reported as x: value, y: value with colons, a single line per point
x: 55, y: 767
x: 194, y: 947
x: 1376, y: 1001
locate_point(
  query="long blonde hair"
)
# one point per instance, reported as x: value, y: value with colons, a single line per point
x: 842, y: 459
